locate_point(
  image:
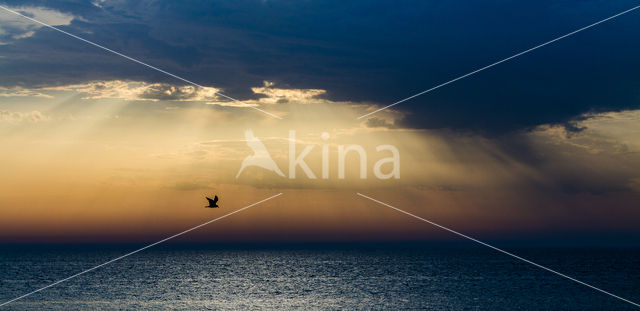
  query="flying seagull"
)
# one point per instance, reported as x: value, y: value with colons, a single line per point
x: 213, y: 203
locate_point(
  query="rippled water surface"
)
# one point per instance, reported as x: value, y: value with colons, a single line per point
x: 209, y: 278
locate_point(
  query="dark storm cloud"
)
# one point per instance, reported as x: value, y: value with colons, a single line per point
x: 378, y: 52
x: 570, y: 164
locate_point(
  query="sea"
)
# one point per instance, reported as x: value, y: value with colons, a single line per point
x: 316, y: 277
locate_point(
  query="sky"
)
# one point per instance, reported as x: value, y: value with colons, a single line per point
x: 97, y: 148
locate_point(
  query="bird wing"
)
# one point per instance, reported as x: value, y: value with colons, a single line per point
x: 211, y: 202
x: 215, y: 199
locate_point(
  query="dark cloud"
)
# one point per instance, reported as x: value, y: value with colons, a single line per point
x: 573, y: 162
x: 365, y: 51
x: 377, y: 122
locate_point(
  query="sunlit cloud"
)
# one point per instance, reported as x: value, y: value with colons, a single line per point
x: 13, y: 27
x: 135, y: 90
x: 274, y: 95
x: 21, y: 92
x: 17, y: 117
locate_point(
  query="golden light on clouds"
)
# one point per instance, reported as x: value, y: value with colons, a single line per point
x: 117, y: 160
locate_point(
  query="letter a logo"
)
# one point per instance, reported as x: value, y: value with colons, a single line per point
x: 260, y: 157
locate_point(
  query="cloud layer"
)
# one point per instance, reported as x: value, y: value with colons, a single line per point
x: 17, y: 117
x: 14, y: 28
x: 360, y: 52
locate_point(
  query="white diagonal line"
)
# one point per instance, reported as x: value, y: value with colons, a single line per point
x: 500, y: 250
x: 139, y: 250
x: 137, y: 61
x: 499, y: 62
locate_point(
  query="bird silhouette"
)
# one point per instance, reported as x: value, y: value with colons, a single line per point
x: 212, y: 203
x: 260, y: 157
